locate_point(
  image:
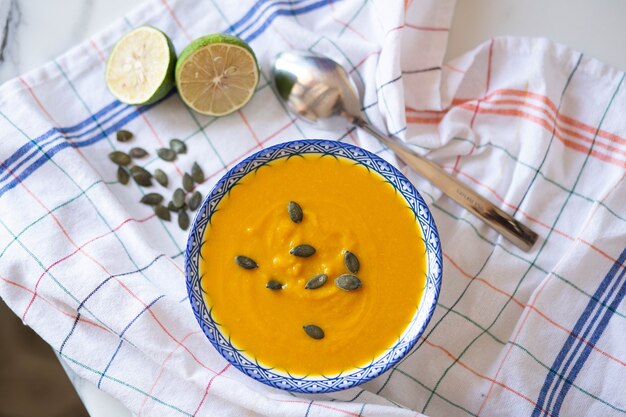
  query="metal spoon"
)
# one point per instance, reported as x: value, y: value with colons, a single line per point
x: 318, y: 89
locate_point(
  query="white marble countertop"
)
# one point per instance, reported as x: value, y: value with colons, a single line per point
x: 593, y: 27
x: 33, y: 32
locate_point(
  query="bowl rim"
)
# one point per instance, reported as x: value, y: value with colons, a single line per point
x: 316, y: 384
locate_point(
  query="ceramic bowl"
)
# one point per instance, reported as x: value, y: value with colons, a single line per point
x: 353, y: 377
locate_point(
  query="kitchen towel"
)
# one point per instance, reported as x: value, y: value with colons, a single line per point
x: 536, y: 127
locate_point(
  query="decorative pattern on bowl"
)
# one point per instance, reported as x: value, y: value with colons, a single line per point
x: 315, y: 384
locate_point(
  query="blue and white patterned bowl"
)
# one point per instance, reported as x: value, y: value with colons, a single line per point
x: 315, y: 384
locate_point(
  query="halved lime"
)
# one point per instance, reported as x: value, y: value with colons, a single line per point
x: 217, y: 74
x: 140, y: 69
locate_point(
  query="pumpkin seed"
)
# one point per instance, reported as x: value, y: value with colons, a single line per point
x: 160, y: 177
x: 195, y: 200
x: 172, y: 207
x: 183, y: 219
x: 119, y: 158
x: 123, y: 136
x: 295, y: 211
x: 197, y: 174
x: 187, y: 182
x: 274, y: 285
x: 303, y: 251
x: 352, y: 262
x: 166, y: 154
x: 178, y: 198
x: 138, y: 152
x: 316, y: 281
x: 348, y: 282
x: 141, y: 176
x: 140, y: 170
x: 122, y: 175
x: 178, y: 146
x: 152, y: 199
x: 314, y: 331
x: 142, y: 180
x: 245, y: 262
x: 162, y: 212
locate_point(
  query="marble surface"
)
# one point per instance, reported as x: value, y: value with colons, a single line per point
x: 594, y: 27
x: 34, y: 31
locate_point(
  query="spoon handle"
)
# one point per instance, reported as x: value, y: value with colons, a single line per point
x: 518, y: 234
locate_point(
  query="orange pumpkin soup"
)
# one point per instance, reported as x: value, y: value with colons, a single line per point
x: 345, y: 207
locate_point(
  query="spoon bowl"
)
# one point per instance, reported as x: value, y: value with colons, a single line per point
x: 316, y: 89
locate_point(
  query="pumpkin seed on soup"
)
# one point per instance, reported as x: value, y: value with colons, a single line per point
x: 245, y: 262
x: 274, y: 285
x: 123, y: 135
x: 178, y: 146
x: 295, y: 211
x: 302, y: 251
x: 160, y: 177
x: 187, y: 182
x: 166, y: 154
x: 314, y: 331
x: 351, y: 262
x: 316, y: 282
x: 162, y: 212
x: 197, y: 174
x: 183, y: 219
x: 348, y: 282
x: 137, y: 152
x: 152, y: 199
x: 122, y: 175
x: 119, y: 158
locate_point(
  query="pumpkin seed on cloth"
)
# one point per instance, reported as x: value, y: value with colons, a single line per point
x: 187, y: 182
x: 160, y: 177
x: 123, y: 135
x: 152, y: 199
x: 178, y: 146
x: 137, y: 152
x: 197, y: 174
x: 162, y: 212
x: 195, y: 201
x: 166, y: 154
x: 122, y: 175
x: 136, y: 169
x: 119, y: 158
x: 183, y: 219
x: 178, y: 198
x: 141, y: 176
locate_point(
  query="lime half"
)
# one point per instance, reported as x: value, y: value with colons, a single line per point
x: 217, y: 74
x: 140, y: 69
